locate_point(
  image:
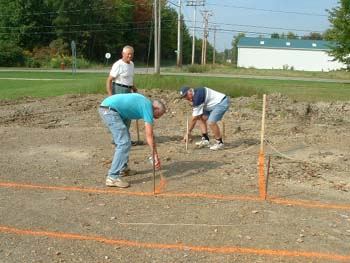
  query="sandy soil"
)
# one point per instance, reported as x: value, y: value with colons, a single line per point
x: 54, y: 206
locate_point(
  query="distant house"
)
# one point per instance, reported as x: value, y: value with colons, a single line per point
x: 276, y: 53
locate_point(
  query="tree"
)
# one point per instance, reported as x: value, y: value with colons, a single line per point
x: 313, y: 36
x: 339, y: 17
x: 22, y: 23
x: 235, y: 48
x: 186, y: 44
x: 81, y: 21
x: 169, y: 33
x: 327, y: 35
x: 291, y: 35
x: 143, y: 27
x: 47, y: 28
x: 275, y: 35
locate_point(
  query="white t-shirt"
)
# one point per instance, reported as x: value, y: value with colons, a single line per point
x: 205, y: 99
x: 123, y: 72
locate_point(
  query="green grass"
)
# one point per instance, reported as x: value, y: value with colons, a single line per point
x: 42, y: 84
x: 229, y: 69
x: 236, y: 87
x: 67, y: 83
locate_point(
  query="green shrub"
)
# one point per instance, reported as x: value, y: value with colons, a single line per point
x: 56, y: 62
x: 31, y: 62
x: 83, y: 63
x: 196, y: 68
x: 11, y: 55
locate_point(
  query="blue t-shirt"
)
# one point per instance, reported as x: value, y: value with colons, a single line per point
x: 131, y: 106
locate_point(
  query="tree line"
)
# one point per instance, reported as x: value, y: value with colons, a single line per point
x: 32, y: 30
x: 37, y: 32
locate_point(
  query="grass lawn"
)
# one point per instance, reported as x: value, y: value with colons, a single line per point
x: 16, y: 85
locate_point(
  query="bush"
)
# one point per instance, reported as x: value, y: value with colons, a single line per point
x: 11, y: 55
x: 55, y: 62
x: 196, y: 68
x: 81, y: 62
x: 31, y: 62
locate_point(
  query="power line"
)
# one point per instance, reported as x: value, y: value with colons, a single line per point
x: 266, y: 27
x: 212, y: 25
x: 87, y: 25
x: 270, y: 10
x: 75, y: 31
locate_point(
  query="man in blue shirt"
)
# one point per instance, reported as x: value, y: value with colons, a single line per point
x: 116, y: 112
x: 208, y: 106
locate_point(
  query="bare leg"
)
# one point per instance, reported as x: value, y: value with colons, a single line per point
x: 203, y: 124
x: 215, y: 129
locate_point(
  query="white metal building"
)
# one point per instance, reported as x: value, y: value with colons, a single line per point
x: 295, y: 54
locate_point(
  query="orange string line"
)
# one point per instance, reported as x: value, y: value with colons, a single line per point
x: 262, y: 176
x: 169, y: 195
x: 265, y: 252
x: 161, y: 185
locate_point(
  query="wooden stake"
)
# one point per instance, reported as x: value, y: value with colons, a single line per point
x: 138, y: 130
x: 223, y: 130
x: 187, y: 135
x: 154, y: 170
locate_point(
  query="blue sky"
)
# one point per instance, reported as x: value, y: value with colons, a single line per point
x: 258, y: 17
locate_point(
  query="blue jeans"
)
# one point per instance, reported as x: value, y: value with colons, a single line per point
x: 121, y: 137
x: 116, y: 89
x: 218, y: 112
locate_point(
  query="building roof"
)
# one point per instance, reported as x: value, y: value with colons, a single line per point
x: 283, y: 43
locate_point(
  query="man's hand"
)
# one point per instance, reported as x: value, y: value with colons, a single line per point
x: 156, y: 162
x: 134, y: 89
x: 186, y: 137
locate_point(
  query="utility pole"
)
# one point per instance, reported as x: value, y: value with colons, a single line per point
x: 214, y: 45
x: 194, y: 3
x: 159, y: 27
x: 205, y: 14
x: 157, y: 13
x: 179, y: 38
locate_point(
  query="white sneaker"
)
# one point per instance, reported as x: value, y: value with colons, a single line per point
x: 217, y: 146
x: 203, y: 143
x: 118, y: 182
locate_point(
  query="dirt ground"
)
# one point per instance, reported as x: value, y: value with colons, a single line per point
x: 54, y: 206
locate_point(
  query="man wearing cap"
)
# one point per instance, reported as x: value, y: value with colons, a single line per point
x: 116, y: 112
x: 208, y: 106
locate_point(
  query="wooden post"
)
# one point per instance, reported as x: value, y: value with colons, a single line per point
x: 188, y: 136
x: 261, y: 153
x: 138, y: 131
x: 154, y: 169
x: 223, y: 130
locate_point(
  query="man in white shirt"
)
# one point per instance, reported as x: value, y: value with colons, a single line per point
x: 208, y: 105
x: 121, y: 76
